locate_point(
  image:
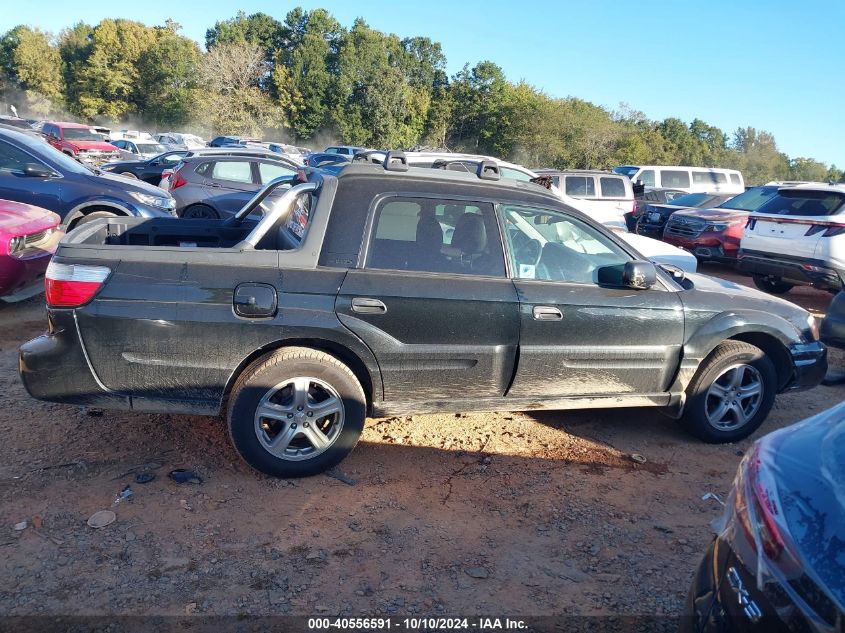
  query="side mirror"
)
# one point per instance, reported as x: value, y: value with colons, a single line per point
x: 639, y: 275
x: 34, y: 170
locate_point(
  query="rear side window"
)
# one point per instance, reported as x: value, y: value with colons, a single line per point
x: 233, y: 171
x: 804, y: 203
x: 580, y: 186
x: 612, y: 187
x: 204, y: 169
x: 271, y: 171
x: 735, y: 180
x: 437, y: 236
x: 514, y: 174
x: 674, y: 178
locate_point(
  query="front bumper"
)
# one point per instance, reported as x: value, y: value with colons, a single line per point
x: 833, y: 326
x: 54, y: 367
x: 810, y: 362
x: 804, y: 271
x: 17, y: 275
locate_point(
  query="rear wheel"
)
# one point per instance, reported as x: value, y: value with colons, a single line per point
x: 200, y: 212
x: 296, y: 413
x: 128, y: 174
x: 731, y: 394
x: 772, y: 285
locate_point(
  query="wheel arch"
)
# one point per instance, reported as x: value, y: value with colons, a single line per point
x: 342, y: 352
x: 774, y: 349
x: 83, y: 209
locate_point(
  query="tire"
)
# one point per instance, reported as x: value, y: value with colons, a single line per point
x: 90, y: 217
x: 128, y: 174
x: 200, y: 212
x: 713, y: 388
x: 279, y: 444
x: 772, y: 285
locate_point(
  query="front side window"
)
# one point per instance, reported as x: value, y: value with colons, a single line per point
x: 13, y: 159
x: 579, y: 186
x: 647, y: 178
x: 551, y: 246
x: 674, y: 178
x: 233, y: 171
x: 612, y: 187
x: 437, y: 236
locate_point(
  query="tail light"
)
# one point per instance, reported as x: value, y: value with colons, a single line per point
x: 634, y: 208
x: 177, y: 180
x: 72, y: 285
x: 827, y: 230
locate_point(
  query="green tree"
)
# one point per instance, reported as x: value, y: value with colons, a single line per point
x: 258, y: 28
x: 32, y: 64
x: 808, y: 169
x: 75, y: 44
x: 168, y: 71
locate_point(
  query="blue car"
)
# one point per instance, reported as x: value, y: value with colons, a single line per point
x: 34, y: 172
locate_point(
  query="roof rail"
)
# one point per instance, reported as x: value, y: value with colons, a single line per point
x: 396, y: 161
x: 488, y: 170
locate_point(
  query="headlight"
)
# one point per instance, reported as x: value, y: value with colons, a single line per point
x: 153, y: 201
x: 813, y: 325
x: 16, y: 244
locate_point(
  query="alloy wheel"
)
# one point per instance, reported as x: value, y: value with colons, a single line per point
x: 734, y: 397
x: 299, y: 419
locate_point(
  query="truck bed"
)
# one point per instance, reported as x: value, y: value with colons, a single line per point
x: 159, y: 232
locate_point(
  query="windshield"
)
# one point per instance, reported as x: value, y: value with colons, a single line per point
x: 690, y: 199
x: 804, y: 203
x: 47, y: 152
x: 150, y: 148
x: 750, y: 200
x: 626, y: 171
x: 81, y: 134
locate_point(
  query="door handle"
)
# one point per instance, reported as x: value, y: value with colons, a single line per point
x: 363, y: 305
x: 547, y: 313
x: 216, y: 185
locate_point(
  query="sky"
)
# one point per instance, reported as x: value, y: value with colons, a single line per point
x: 777, y: 65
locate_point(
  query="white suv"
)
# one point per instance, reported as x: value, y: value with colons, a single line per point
x: 605, y: 196
x: 797, y: 237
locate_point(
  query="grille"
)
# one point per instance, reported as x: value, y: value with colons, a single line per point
x: 685, y: 227
x: 36, y: 238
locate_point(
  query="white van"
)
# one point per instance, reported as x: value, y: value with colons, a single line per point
x: 607, y: 196
x: 689, y: 179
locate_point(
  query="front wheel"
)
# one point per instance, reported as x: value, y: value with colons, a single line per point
x: 94, y: 215
x: 731, y: 394
x: 296, y: 413
x: 200, y: 212
x: 772, y: 285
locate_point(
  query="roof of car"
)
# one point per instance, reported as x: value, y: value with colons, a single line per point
x: 457, y: 178
x: 67, y: 124
x: 577, y: 172
x: 817, y: 186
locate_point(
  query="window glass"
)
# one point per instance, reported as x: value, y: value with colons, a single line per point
x: 332, y: 150
x: 626, y: 170
x: 13, y: 159
x: 804, y: 203
x: 612, y: 187
x: 750, y: 200
x: 735, y: 179
x: 300, y: 216
x: 671, y: 196
x: 709, y: 178
x: 149, y: 148
x: 554, y: 247
x: 647, y: 178
x: 514, y: 174
x: 81, y: 134
x: 119, y: 144
x: 720, y: 178
x: 204, y: 169
x: 270, y: 171
x: 437, y: 236
x: 674, y: 178
x: 233, y: 171
x: 690, y: 199
x: 171, y: 158
x: 580, y: 186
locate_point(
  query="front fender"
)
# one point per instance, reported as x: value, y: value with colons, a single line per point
x: 79, y: 206
x: 704, y: 336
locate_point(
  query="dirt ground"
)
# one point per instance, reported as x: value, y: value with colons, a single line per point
x: 506, y: 514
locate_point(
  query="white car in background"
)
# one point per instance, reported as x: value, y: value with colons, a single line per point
x: 603, y: 195
x: 797, y: 237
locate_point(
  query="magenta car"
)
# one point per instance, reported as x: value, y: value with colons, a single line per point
x: 28, y: 238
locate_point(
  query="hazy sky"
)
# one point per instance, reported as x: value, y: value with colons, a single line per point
x: 777, y: 65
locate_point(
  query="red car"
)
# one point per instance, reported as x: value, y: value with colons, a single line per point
x: 28, y: 238
x: 79, y: 141
x: 714, y: 234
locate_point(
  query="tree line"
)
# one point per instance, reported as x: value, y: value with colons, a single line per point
x: 308, y: 79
